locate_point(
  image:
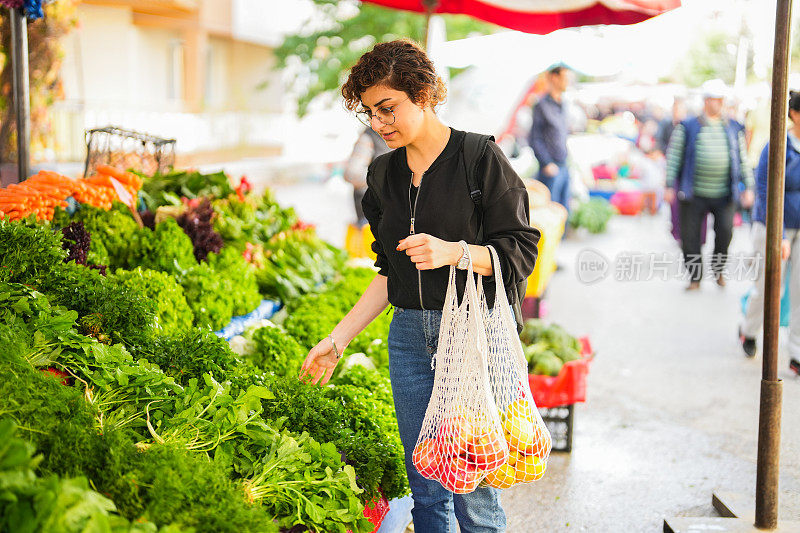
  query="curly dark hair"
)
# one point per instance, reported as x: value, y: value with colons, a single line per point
x: 401, y: 65
x: 794, y: 101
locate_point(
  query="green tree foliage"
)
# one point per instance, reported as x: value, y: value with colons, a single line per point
x: 326, y: 49
x: 713, y: 55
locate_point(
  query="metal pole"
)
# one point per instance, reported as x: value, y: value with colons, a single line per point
x: 430, y: 7
x: 427, y: 29
x: 21, y: 89
x: 769, y: 421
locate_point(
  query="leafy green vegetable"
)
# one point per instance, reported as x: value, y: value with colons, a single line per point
x: 190, y: 355
x: 292, y: 476
x: 592, y: 215
x: 43, y: 336
x: 349, y: 422
x: 275, y: 351
x: 166, y: 249
x: 328, y: 498
x: 209, y: 295
x: 167, y: 484
x: 548, y: 347
x: 112, y: 232
x: 254, y: 219
x: 313, y: 316
x: 221, y: 288
x: 239, y: 277
x: 29, y: 328
x: 174, y: 314
x: 108, y: 309
x: 29, y: 503
x: 28, y: 254
x: 370, y: 414
x: 167, y: 189
x: 294, y: 263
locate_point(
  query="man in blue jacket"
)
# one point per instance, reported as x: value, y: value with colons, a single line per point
x: 707, y: 170
x: 548, y: 137
x: 790, y: 247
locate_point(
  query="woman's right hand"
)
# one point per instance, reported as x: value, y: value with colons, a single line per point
x: 320, y: 363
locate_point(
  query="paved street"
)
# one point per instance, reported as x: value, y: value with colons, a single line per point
x: 672, y: 409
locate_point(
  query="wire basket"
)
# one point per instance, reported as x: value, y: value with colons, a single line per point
x: 126, y: 149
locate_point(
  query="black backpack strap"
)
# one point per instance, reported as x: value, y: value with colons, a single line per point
x: 474, y: 147
x: 378, y: 173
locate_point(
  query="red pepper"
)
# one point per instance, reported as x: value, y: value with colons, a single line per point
x: 58, y: 374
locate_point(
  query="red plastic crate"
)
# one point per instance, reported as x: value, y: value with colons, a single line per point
x: 375, y: 511
x: 569, y: 386
x: 628, y: 202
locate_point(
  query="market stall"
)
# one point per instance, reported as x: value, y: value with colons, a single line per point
x: 109, y: 321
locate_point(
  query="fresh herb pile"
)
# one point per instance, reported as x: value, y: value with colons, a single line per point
x: 313, y: 316
x: 350, y: 423
x: 140, y: 412
x: 111, y: 232
x: 193, y: 452
x: 30, y: 502
x: 169, y: 188
x: 251, y: 219
x: 174, y: 314
x: 219, y: 288
x: 273, y: 350
x: 146, y: 421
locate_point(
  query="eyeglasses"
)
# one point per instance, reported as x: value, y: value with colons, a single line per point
x: 384, y: 114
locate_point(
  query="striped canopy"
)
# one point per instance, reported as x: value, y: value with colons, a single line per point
x: 542, y: 16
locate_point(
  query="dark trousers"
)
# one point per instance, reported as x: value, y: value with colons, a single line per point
x: 558, y: 185
x: 358, y: 195
x: 692, y: 216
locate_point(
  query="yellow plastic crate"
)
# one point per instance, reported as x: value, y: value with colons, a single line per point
x: 550, y: 220
x: 358, y: 241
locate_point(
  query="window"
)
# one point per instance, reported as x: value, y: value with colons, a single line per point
x: 175, y: 70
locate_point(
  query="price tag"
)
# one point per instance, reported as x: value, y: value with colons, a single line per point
x: 124, y: 196
x: 128, y: 199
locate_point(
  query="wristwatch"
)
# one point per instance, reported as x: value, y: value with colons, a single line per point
x: 463, y: 263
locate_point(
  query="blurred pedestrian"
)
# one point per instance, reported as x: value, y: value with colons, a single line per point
x: 790, y: 247
x: 667, y: 125
x: 646, y: 142
x: 665, y: 129
x: 369, y: 145
x: 548, y: 136
x: 706, y: 163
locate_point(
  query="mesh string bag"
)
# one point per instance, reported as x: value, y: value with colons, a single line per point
x: 461, y: 440
x: 524, y: 430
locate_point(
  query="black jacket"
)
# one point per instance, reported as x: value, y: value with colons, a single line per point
x: 445, y: 210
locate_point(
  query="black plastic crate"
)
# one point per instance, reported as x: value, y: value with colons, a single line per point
x: 559, y: 421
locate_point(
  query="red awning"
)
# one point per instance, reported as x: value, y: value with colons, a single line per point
x: 544, y: 16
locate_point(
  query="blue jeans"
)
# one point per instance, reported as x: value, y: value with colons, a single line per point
x: 558, y: 185
x: 413, y: 338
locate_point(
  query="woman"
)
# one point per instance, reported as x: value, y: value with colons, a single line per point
x: 790, y: 249
x: 422, y: 212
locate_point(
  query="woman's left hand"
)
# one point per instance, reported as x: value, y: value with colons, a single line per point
x: 427, y: 252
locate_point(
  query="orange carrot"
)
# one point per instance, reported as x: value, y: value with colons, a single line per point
x: 111, y: 171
